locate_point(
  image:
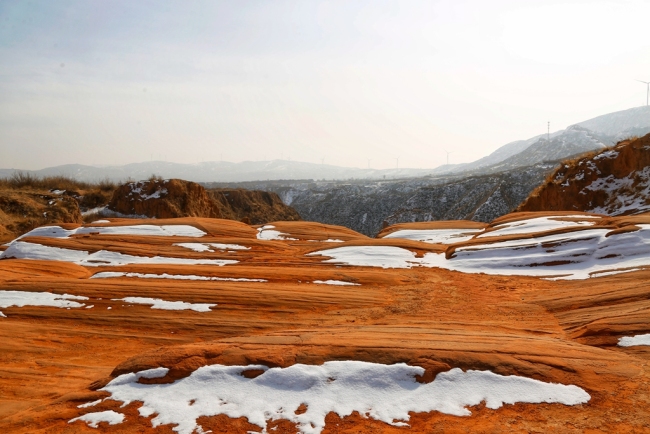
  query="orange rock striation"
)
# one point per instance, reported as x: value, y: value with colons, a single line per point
x: 55, y: 359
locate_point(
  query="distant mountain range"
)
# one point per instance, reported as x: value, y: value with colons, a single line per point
x: 589, y: 135
x: 214, y: 171
x: 597, y: 133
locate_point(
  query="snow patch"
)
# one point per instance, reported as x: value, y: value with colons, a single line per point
x: 109, y: 274
x: 336, y: 282
x: 267, y: 233
x: 539, y: 224
x: 26, y: 298
x: 24, y: 250
x: 94, y: 419
x: 205, y: 247
x: 370, y: 256
x: 436, y: 236
x: 157, y: 303
x: 90, y: 404
x: 633, y: 341
x: 383, y: 392
x: 573, y: 255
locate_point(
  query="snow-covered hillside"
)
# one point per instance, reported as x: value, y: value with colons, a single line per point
x: 614, y: 182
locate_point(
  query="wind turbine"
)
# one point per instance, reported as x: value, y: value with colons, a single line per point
x: 448, y: 152
x: 397, y: 163
x: 647, y: 95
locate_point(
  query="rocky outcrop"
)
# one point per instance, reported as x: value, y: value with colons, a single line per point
x: 255, y: 207
x: 177, y: 198
x: 615, y: 181
x: 164, y: 199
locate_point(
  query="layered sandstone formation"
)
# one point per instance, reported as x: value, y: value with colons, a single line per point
x: 614, y: 181
x: 126, y: 307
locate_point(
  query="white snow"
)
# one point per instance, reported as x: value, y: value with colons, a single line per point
x: 606, y: 154
x: 623, y: 194
x: 24, y: 250
x: 438, y: 236
x: 370, y: 256
x: 49, y: 232
x: 93, y: 419
x: 206, y: 247
x: 101, y: 221
x: 267, y: 233
x: 383, y: 392
x: 634, y: 341
x: 109, y: 274
x: 157, y: 303
x: 162, y: 230
x: 539, y: 224
x: 336, y: 282
x: 574, y: 255
x: 26, y: 298
x: 2, y: 315
x: 96, y: 210
x: 90, y: 404
x: 140, y: 230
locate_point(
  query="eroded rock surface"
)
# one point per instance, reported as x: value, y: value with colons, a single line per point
x: 255, y: 302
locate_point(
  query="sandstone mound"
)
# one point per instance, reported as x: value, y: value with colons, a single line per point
x: 614, y: 182
x: 175, y: 198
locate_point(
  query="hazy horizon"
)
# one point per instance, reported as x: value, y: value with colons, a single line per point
x: 99, y: 83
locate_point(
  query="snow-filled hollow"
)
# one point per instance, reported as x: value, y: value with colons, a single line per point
x: 25, y: 250
x: 540, y: 224
x: 207, y: 247
x: 383, y: 392
x: 157, y: 303
x: 580, y: 254
x: 135, y: 230
x: 435, y: 236
x: 113, y: 274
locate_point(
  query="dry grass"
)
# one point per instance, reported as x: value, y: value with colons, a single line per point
x: 25, y: 180
x: 28, y: 201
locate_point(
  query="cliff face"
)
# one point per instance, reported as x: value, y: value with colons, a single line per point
x: 615, y: 181
x: 177, y: 198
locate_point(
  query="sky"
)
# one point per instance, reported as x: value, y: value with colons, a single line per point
x: 363, y: 83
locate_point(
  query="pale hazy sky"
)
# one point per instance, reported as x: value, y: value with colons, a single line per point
x: 115, y: 82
